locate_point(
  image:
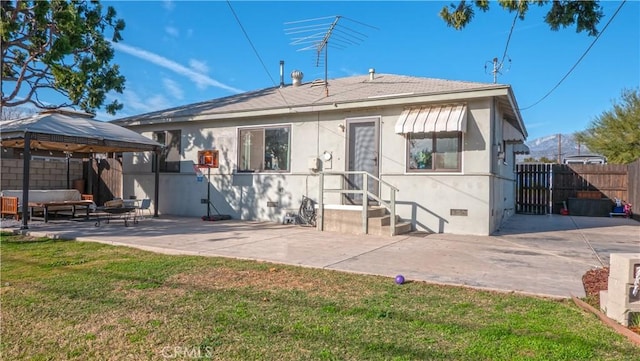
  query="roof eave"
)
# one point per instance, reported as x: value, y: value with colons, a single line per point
x: 376, y: 101
x: 516, y: 110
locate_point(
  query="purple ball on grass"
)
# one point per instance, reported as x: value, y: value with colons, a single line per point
x: 399, y: 279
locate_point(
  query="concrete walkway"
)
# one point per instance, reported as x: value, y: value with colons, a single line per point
x: 542, y: 255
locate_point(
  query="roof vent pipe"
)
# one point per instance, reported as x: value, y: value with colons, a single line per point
x: 296, y: 76
x: 281, y: 73
x: 372, y: 72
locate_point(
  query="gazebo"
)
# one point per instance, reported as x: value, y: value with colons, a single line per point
x: 70, y: 131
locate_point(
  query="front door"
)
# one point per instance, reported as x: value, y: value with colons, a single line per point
x: 362, y: 155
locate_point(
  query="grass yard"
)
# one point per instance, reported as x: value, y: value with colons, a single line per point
x: 65, y: 300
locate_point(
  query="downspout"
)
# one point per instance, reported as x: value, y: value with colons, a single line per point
x: 156, y: 192
x: 26, y: 165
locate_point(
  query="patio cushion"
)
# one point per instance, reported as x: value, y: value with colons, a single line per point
x: 45, y: 195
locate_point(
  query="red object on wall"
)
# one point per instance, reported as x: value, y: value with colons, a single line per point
x: 208, y: 158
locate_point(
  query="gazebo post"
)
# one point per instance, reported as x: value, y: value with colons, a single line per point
x: 90, y: 174
x: 26, y: 165
x: 156, y: 192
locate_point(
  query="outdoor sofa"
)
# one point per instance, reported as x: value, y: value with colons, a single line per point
x: 45, y: 202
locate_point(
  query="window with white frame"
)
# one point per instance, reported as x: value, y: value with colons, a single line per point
x: 264, y: 149
x: 434, y: 152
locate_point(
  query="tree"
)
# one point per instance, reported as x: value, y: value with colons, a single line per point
x: 7, y: 113
x: 544, y: 159
x: 59, y: 45
x: 563, y: 13
x: 616, y: 132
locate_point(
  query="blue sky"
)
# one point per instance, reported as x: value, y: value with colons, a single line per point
x: 180, y: 52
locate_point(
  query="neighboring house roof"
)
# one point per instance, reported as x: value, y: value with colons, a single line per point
x: 341, y: 93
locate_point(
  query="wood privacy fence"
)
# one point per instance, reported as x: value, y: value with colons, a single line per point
x: 104, y: 179
x: 542, y: 188
x: 533, y: 188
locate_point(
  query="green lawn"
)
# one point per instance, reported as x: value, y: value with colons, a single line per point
x: 87, y: 301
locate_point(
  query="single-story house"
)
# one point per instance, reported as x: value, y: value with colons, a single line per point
x: 445, y: 149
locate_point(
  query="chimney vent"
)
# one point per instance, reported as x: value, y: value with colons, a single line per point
x: 281, y: 73
x: 296, y: 76
x: 372, y: 72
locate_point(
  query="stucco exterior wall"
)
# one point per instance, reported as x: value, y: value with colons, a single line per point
x: 465, y: 202
x: 504, y: 188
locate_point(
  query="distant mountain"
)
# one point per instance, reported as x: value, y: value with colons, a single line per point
x: 549, y: 147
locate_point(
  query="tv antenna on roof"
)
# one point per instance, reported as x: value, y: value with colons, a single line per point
x: 496, y: 68
x: 314, y: 34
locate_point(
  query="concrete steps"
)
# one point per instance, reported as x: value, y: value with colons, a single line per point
x: 348, y: 219
x: 381, y: 226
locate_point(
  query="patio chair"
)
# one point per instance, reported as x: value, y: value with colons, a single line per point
x: 145, y: 204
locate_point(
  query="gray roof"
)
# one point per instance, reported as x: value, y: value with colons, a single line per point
x: 312, y: 94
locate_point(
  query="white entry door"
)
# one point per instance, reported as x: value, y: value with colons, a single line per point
x: 362, y: 154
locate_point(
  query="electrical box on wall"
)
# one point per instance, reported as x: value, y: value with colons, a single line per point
x: 314, y: 164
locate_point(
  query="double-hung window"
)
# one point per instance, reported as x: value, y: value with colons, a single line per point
x: 264, y: 149
x: 434, y: 152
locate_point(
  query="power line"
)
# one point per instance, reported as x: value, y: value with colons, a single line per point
x: 513, y: 25
x: 579, y: 60
x: 255, y: 50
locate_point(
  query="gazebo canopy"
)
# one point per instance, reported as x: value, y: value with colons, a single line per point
x: 74, y: 132
x: 69, y: 131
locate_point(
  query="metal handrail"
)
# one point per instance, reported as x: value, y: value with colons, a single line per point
x: 391, y: 205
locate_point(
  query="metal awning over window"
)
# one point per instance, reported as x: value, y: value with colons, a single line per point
x: 431, y: 119
x: 510, y: 134
x: 521, y: 148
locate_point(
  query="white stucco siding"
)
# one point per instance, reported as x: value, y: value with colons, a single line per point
x: 428, y: 201
x: 477, y: 138
x: 503, y: 204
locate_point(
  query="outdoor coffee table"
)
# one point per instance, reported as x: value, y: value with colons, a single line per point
x: 45, y: 206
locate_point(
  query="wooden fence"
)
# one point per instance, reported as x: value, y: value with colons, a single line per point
x: 533, y: 188
x: 104, y: 179
x: 604, y: 180
x: 542, y: 188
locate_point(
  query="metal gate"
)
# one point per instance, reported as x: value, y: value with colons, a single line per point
x: 534, y: 186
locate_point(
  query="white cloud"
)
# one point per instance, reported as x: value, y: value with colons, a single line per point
x: 173, y: 88
x: 201, y: 80
x: 172, y: 31
x: 158, y: 102
x: 132, y: 101
x: 168, y: 4
x: 199, y: 66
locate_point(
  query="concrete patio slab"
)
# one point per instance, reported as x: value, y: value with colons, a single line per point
x: 542, y: 255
